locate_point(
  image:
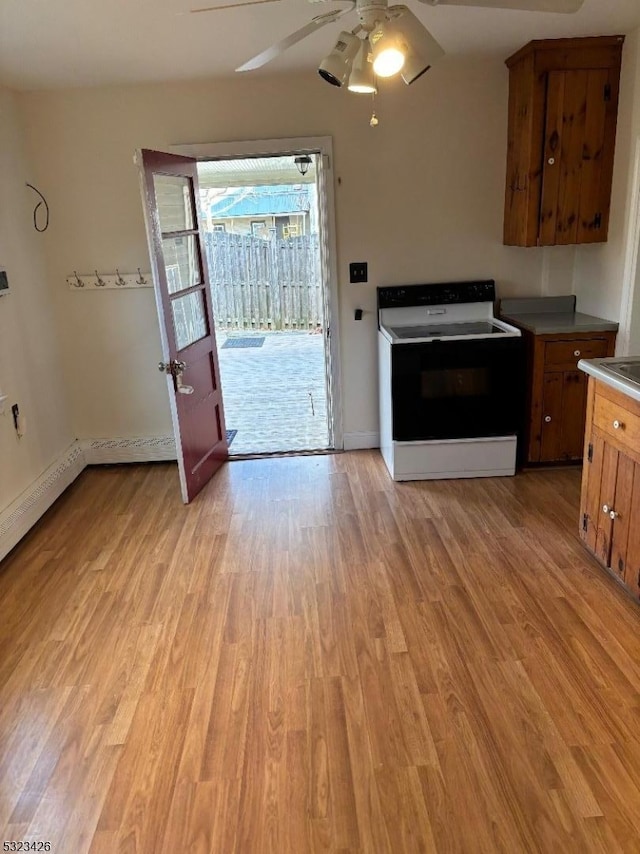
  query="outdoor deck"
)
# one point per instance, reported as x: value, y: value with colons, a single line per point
x: 275, y: 395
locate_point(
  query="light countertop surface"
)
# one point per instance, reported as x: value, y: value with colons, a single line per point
x: 552, y: 316
x: 600, y: 370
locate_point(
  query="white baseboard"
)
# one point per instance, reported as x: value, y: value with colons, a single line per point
x: 25, y: 511
x: 152, y: 449
x: 358, y: 441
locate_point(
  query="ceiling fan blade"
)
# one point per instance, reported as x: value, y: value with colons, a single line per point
x: 280, y: 47
x: 232, y: 5
x: 565, y: 6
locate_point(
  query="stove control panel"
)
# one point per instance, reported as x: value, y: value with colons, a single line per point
x: 441, y: 293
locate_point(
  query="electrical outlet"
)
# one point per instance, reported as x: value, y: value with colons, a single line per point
x: 358, y: 272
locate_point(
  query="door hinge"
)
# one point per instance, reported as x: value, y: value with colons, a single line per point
x: 585, y: 522
x: 607, y: 91
x: 590, y: 453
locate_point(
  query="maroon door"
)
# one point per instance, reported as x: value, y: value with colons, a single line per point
x: 181, y: 282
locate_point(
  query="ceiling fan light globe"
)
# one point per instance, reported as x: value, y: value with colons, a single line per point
x: 362, y: 88
x: 336, y: 66
x: 330, y: 77
x: 414, y: 67
x: 362, y: 78
x: 388, y: 62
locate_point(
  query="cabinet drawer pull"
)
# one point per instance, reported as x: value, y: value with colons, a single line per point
x: 547, y: 418
x: 613, y: 514
x: 618, y: 425
x: 551, y: 161
x: 605, y: 508
x: 576, y: 353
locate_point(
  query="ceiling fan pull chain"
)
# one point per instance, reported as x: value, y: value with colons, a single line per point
x: 373, y: 121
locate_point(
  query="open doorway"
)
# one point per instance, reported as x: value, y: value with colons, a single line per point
x: 264, y: 247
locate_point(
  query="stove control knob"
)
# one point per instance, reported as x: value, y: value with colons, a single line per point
x: 547, y: 418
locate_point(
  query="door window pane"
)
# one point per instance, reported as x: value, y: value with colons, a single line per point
x: 181, y: 262
x: 173, y: 196
x: 189, y: 319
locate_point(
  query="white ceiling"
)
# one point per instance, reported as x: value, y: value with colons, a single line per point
x: 58, y: 43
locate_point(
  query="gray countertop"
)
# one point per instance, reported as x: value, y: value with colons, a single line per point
x: 599, y: 369
x: 552, y: 316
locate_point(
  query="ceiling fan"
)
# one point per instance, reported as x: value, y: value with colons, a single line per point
x: 387, y: 40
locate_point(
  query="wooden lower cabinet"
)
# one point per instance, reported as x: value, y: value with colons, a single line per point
x: 555, y: 417
x: 610, y: 503
x: 564, y: 396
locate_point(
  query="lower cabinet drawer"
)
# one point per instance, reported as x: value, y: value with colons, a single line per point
x: 565, y: 355
x: 616, y: 421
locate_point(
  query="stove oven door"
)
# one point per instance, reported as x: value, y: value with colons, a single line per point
x: 457, y: 389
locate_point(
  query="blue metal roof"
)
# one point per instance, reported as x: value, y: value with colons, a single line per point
x: 261, y: 201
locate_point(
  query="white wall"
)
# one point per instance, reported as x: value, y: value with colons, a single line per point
x: 600, y: 268
x: 30, y: 367
x: 420, y: 198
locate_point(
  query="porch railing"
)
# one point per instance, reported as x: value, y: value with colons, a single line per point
x: 262, y: 283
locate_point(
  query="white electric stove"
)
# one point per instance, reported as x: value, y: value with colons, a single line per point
x: 451, y: 382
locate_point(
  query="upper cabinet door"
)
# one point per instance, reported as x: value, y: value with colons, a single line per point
x: 573, y: 207
x: 563, y: 103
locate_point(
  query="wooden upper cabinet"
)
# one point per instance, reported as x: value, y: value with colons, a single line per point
x: 563, y: 105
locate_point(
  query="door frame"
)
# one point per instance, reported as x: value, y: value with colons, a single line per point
x: 630, y: 299
x: 323, y: 146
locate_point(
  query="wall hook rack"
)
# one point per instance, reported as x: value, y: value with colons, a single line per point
x: 107, y: 281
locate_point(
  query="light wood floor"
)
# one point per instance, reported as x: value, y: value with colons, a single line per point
x: 312, y: 658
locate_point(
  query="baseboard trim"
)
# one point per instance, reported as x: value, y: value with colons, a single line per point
x: 22, y: 514
x: 152, y: 449
x: 359, y: 441
x: 25, y: 511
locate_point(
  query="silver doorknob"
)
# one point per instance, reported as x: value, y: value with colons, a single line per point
x: 618, y: 425
x: 605, y: 508
x: 174, y: 367
x: 576, y: 353
x: 547, y: 418
x: 613, y: 514
x: 551, y: 161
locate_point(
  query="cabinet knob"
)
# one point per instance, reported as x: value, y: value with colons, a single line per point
x: 605, y: 508
x: 613, y: 514
x: 547, y: 418
x: 551, y: 161
x: 618, y: 425
x: 576, y: 353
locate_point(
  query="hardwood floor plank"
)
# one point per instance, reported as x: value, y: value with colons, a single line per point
x: 313, y: 658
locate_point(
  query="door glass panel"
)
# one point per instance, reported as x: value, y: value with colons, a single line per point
x: 189, y: 319
x: 173, y: 196
x: 181, y: 262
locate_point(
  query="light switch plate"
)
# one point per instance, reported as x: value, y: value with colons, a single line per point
x: 358, y: 272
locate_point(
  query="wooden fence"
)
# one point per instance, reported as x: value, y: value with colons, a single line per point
x: 265, y: 284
